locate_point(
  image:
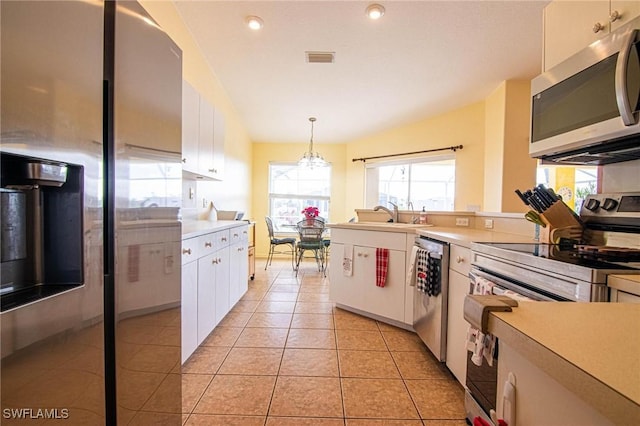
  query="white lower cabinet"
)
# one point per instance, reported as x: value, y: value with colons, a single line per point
x: 206, y: 295
x: 222, y: 284
x: 239, y: 271
x: 211, y: 283
x: 359, y: 290
x: 189, y: 309
x: 535, y: 388
x: 457, y: 326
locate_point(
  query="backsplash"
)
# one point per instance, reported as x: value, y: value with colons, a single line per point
x: 621, y: 177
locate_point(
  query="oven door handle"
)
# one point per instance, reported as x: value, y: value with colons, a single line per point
x: 506, y: 285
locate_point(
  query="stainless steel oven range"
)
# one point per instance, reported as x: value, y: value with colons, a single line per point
x: 572, y: 271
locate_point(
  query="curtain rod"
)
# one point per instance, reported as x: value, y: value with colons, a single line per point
x: 364, y: 159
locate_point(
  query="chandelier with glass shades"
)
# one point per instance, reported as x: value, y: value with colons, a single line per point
x: 311, y: 158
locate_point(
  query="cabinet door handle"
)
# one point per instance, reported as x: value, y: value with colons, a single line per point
x: 186, y: 251
x: 219, y: 260
x: 597, y: 27
x: 459, y: 259
x: 184, y: 160
x: 614, y: 16
x: 214, y: 261
x: 235, y: 235
x: 224, y: 238
x: 366, y: 255
x: 213, y: 171
x: 207, y: 244
x: 244, y: 232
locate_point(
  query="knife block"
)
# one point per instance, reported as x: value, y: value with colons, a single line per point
x: 561, y: 222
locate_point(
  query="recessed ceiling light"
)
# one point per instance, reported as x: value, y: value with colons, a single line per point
x: 254, y: 22
x: 375, y: 11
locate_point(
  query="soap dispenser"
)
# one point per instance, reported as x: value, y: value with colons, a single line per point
x: 423, y: 216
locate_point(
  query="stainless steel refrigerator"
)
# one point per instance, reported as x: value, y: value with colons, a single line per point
x: 90, y: 127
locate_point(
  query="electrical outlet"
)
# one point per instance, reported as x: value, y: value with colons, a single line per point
x: 488, y: 223
x: 462, y: 221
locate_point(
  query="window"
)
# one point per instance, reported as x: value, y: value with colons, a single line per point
x: 428, y: 183
x: 572, y: 183
x: 292, y: 188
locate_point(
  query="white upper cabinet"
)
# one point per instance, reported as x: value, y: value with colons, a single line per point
x: 205, y: 144
x: 623, y: 12
x: 218, y: 144
x: 202, y: 135
x: 570, y: 26
x: 190, y: 125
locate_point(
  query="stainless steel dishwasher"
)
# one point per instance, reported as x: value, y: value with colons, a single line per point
x: 430, y: 302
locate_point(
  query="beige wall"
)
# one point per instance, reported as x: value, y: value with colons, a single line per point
x: 494, y: 148
x: 464, y: 126
x: 507, y: 164
x: 234, y: 193
x: 286, y: 152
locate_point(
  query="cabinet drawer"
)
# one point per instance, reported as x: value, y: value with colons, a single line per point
x: 389, y: 240
x: 206, y: 244
x: 240, y: 233
x: 190, y: 250
x: 460, y: 259
x: 222, y: 239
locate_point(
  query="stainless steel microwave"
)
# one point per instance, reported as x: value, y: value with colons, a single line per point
x: 586, y: 109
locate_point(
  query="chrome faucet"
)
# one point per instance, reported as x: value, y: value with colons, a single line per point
x: 414, y: 218
x: 393, y: 214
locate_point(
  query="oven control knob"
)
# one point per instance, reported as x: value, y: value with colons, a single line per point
x: 592, y: 204
x: 609, y: 204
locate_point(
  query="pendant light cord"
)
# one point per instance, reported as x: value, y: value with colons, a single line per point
x: 312, y: 120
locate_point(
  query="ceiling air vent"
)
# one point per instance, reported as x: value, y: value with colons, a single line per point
x: 320, y: 57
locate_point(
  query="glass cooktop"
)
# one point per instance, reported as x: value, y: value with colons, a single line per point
x: 584, y: 256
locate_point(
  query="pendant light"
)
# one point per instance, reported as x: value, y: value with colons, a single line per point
x: 311, y: 158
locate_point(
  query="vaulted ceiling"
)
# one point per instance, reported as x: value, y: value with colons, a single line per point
x: 422, y: 58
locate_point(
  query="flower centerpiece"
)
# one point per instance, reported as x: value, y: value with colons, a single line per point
x: 310, y: 213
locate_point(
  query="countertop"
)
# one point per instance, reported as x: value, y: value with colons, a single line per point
x: 462, y: 236
x: 593, y: 349
x: 626, y: 283
x: 195, y: 228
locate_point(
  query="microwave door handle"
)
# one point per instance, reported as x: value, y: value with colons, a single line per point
x: 622, y: 97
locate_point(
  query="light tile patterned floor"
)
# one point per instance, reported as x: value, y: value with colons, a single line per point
x: 286, y: 356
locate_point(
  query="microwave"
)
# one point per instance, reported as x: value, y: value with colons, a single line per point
x: 586, y: 109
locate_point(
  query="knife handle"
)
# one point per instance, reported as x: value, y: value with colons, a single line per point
x: 522, y: 197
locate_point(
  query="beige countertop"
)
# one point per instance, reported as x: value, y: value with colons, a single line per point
x: 463, y: 236
x: 626, y: 283
x: 593, y: 349
x: 195, y: 228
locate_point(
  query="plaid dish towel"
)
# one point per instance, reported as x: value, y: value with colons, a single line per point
x: 382, y: 264
x: 422, y: 270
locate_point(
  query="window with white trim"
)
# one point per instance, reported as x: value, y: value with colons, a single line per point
x: 292, y: 188
x: 423, y: 182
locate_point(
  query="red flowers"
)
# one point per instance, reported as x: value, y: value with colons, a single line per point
x: 310, y: 212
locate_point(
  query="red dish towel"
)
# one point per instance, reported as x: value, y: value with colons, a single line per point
x: 382, y: 264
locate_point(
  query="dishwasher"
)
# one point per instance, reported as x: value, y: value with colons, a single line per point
x: 431, y: 265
